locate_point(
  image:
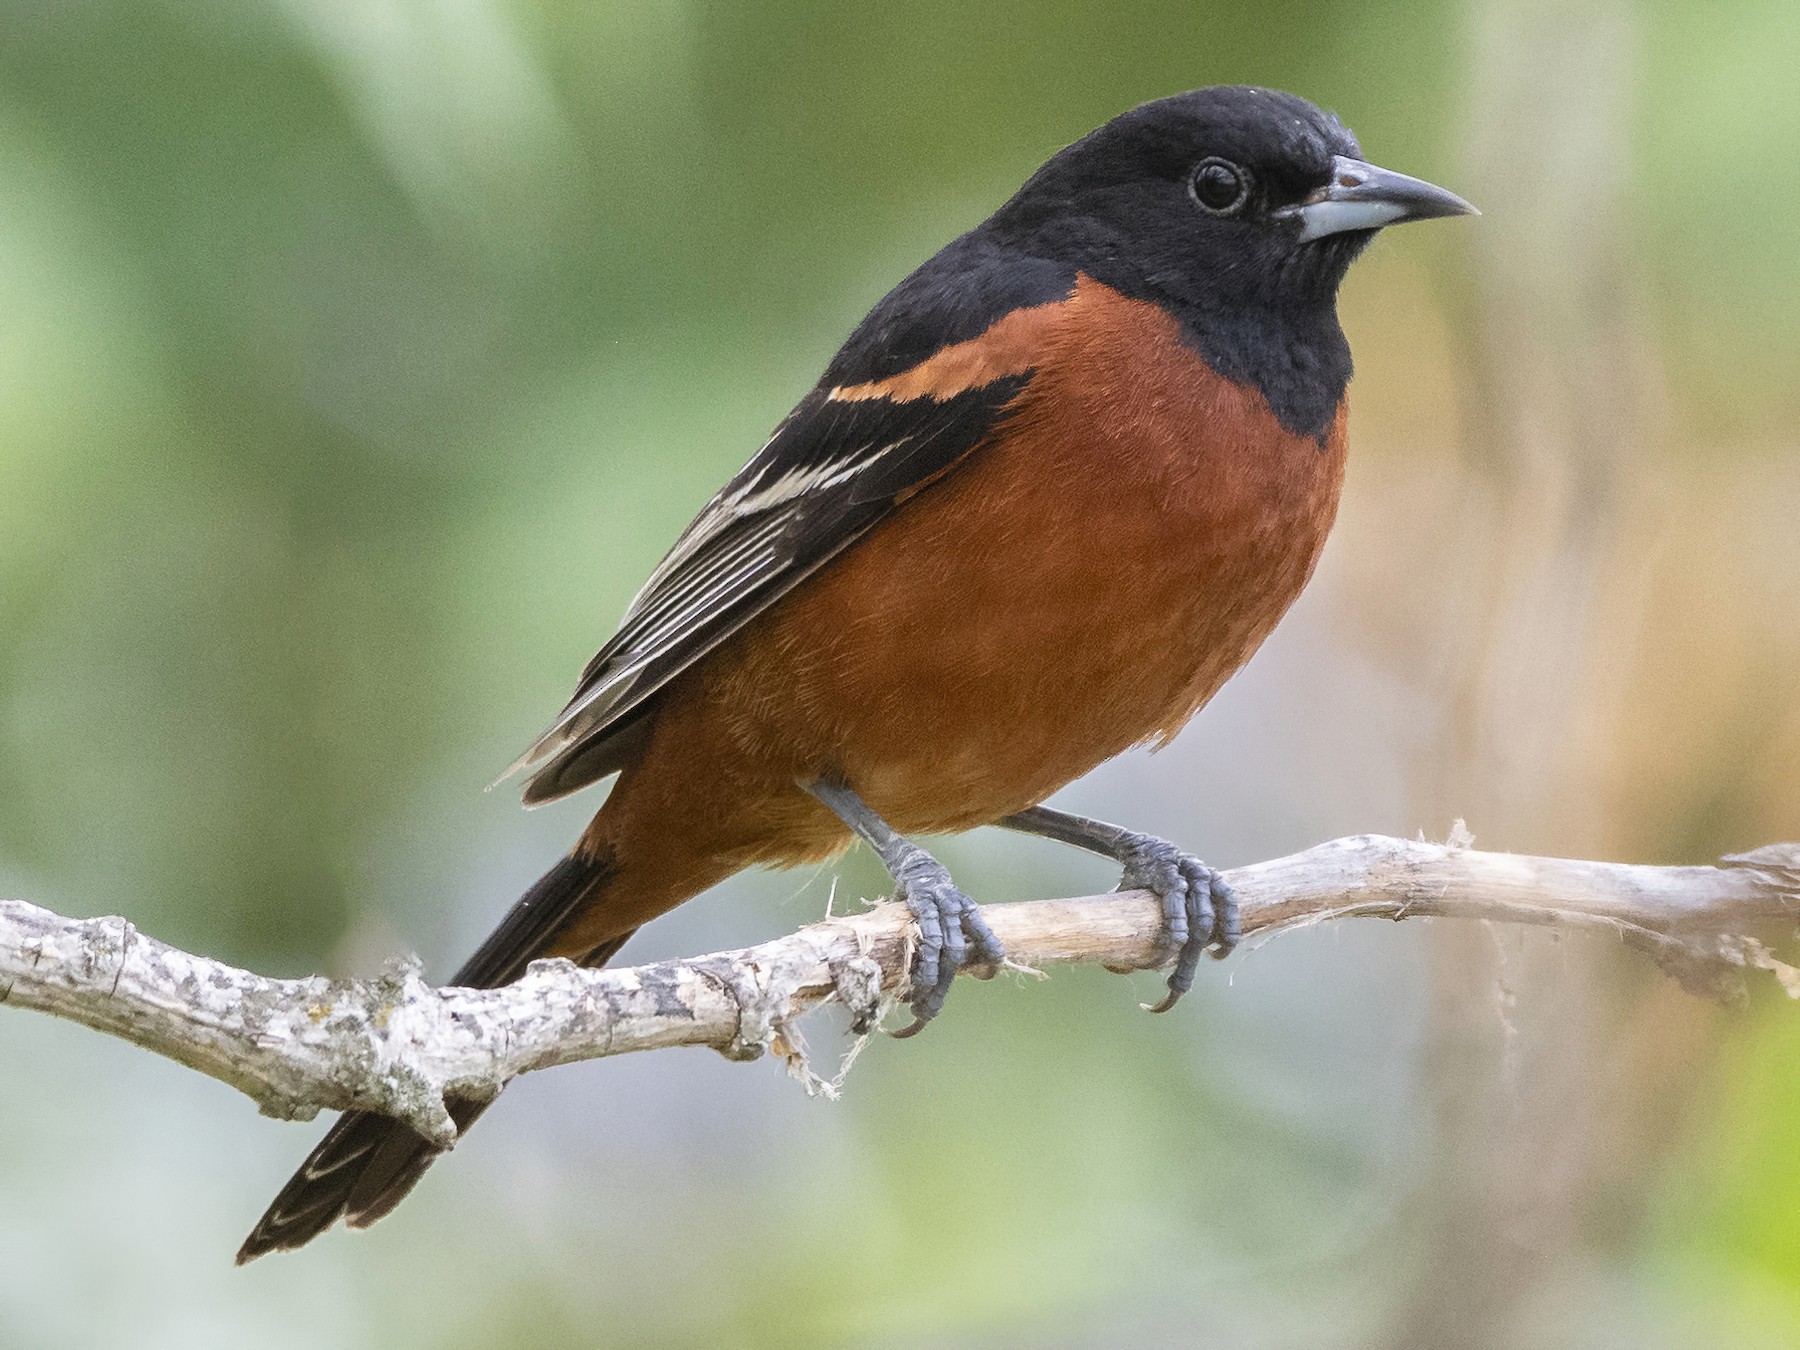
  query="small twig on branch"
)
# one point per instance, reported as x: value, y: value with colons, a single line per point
x: 398, y: 1046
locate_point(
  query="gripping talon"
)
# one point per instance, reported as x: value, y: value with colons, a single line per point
x: 1199, y: 910
x: 1227, y: 930
x: 951, y: 928
x: 1170, y: 886
x: 1168, y: 1000
x: 952, y: 934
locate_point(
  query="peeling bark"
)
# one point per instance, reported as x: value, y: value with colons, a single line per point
x: 398, y: 1046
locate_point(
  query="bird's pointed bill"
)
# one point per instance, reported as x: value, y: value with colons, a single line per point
x: 1363, y: 196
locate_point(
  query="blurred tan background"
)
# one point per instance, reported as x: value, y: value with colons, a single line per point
x: 358, y: 358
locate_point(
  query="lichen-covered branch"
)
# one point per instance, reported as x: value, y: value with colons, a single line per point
x: 398, y: 1046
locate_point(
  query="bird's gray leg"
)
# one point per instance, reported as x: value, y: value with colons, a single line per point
x: 1199, y: 910
x: 952, y: 931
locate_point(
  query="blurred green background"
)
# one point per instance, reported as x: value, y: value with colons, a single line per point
x: 358, y: 358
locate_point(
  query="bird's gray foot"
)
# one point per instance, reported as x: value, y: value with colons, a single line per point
x: 1200, y: 911
x: 952, y: 932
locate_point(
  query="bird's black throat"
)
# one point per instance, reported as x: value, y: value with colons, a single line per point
x: 1272, y: 325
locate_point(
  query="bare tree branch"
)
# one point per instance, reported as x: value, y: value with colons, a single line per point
x: 398, y: 1046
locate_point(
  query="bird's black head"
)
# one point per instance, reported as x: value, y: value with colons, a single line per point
x: 1237, y: 209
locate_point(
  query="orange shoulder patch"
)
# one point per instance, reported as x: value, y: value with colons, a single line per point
x: 1011, y: 345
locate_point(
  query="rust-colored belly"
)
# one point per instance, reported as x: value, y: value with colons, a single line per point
x: 1082, y: 584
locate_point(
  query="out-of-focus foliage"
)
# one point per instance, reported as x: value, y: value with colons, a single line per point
x: 359, y: 357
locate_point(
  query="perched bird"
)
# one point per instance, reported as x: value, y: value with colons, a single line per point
x: 1052, y: 492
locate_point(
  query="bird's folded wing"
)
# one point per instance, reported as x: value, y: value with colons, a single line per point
x: 839, y: 463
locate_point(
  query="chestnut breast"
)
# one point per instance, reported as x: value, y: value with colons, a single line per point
x: 1084, y: 581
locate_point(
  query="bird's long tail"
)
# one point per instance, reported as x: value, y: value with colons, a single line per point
x: 366, y: 1163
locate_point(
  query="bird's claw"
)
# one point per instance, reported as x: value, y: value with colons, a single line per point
x: 952, y: 934
x: 1199, y: 910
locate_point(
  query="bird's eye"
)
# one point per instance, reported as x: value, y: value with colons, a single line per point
x: 1221, y: 186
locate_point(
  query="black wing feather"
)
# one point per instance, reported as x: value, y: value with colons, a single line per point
x: 832, y: 470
